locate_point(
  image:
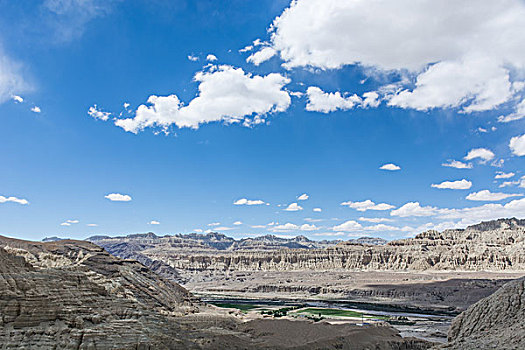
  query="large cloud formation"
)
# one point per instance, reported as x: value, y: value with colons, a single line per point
x: 454, y: 53
x: 468, y: 215
x: 225, y: 94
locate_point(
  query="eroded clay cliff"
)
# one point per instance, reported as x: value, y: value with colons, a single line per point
x: 492, y: 246
x: 495, y: 322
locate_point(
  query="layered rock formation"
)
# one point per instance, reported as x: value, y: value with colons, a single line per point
x: 447, y: 270
x: 496, y: 245
x: 496, y: 322
x: 72, y: 294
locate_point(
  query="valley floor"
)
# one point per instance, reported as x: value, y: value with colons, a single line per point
x: 426, y: 291
x: 416, y: 304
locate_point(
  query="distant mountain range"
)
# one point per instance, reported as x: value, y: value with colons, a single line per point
x: 219, y: 241
x: 146, y: 247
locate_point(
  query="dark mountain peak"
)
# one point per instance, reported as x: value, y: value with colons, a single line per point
x: 143, y: 235
x: 218, y: 236
x: 53, y: 239
x: 510, y: 223
x: 95, y: 238
x: 301, y: 238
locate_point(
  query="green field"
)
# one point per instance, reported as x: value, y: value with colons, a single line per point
x: 338, y: 313
x: 311, y: 311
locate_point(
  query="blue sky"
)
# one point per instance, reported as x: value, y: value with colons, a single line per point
x: 314, y: 104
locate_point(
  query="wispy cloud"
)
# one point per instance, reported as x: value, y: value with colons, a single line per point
x: 13, y: 199
x: 67, y: 19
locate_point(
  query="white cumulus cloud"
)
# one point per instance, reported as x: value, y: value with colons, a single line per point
x: 502, y: 175
x: 225, y: 94
x: 508, y: 183
x: 348, y: 226
x: 261, y: 56
x: 390, y: 166
x: 154, y: 222
x: 457, y: 164
x: 96, y: 113
x: 244, y: 201
x: 325, y: 102
x: 36, y: 109
x: 371, y: 99
x: 303, y: 197
x: 317, y: 210
x: 17, y: 98
x: 455, y: 53
x: 490, y: 211
x: 481, y: 153
x: 367, y: 205
x: 293, y: 207
x: 69, y: 222
x: 414, y: 209
x: 454, y: 185
x: 381, y: 227
x: 486, y: 195
x: 222, y: 228
x: 211, y: 58
x: 466, y: 216
x: 247, y: 48
x: 117, y: 197
x: 308, y: 227
x: 517, y: 145
x: 478, y: 84
x: 375, y: 220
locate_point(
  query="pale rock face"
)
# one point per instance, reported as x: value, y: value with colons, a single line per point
x: 492, y: 246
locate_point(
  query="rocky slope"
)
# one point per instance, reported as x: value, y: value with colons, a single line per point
x: 72, y: 294
x: 69, y: 294
x: 496, y: 322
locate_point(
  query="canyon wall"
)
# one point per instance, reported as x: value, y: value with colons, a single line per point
x: 497, y: 245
